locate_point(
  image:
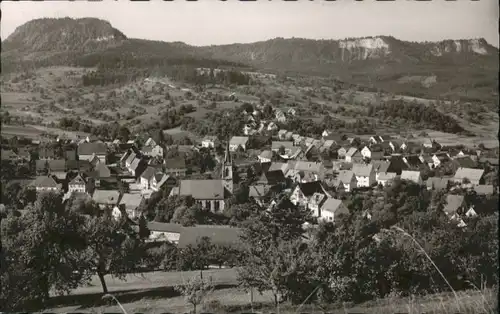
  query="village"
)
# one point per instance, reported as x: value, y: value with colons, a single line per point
x: 316, y: 173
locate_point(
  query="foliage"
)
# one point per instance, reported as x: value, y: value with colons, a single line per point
x: 195, y: 290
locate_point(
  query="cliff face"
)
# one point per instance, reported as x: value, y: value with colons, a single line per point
x: 58, y: 35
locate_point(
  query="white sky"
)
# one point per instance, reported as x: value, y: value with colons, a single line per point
x: 208, y: 22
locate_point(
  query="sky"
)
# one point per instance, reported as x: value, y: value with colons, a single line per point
x: 214, y: 22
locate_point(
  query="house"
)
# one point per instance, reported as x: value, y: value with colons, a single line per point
x: 327, y: 133
x: 153, y: 151
x: 437, y: 183
x: 305, y: 171
x: 218, y: 235
x: 105, y: 198
x: 377, y: 139
x: 238, y: 141
x: 79, y: 184
x: 431, y: 144
x: 378, y: 155
x: 282, y: 135
x: 474, y: 176
x: 463, y: 162
x: 455, y: 206
x: 94, y: 160
x: 413, y: 161
x: 129, y: 203
x: 270, y: 127
x: 87, y: 150
x: 397, y: 164
x: 297, y: 139
x: 413, y: 176
x: 176, y: 166
x: 45, y: 184
x: 346, y: 181
x: 146, y: 178
x: 209, y: 142
x: 304, y: 191
x: 351, y: 153
x: 70, y: 154
x: 272, y: 178
x: 78, y: 165
x: 265, y: 156
x: 366, y: 152
x: 397, y: 145
x: 315, y: 202
x: 137, y: 166
x: 385, y: 178
x: 161, y: 179
x: 439, y: 159
x: 259, y: 192
x: 164, y: 232
x: 46, y: 153
x: 331, y: 209
x: 210, y: 194
x: 484, y: 189
x: 280, y: 116
x: 8, y: 154
x: 292, y: 111
x: 365, y: 175
x: 341, y: 152
x: 282, y: 166
x: 276, y: 146
x: 150, y: 142
x: 379, y: 167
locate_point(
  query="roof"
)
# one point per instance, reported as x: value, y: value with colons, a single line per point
x: 438, y: 183
x: 413, y: 160
x: 484, y: 189
x: 52, y: 165
x: 345, y: 176
x: 44, y: 182
x: 309, y: 188
x: 453, y: 203
x: 8, y: 154
x: 148, y: 173
x: 266, y: 154
x: 469, y: 173
x: 164, y: 227
x: 102, y: 171
x: 202, y: 189
x: 175, y: 163
x: 386, y: 176
x: 377, y: 155
x: 333, y: 205
x: 108, y: 197
x: 282, y: 166
x: 81, y: 165
x: 135, y: 163
x: 92, y: 148
x: 465, y: 162
x: 380, y: 166
x: 351, y: 151
x: 305, y: 166
x: 410, y: 175
x: 130, y: 158
x: 131, y: 200
x: 397, y: 164
x: 78, y: 180
x: 362, y: 170
x: 285, y: 144
x: 258, y: 191
x: 272, y: 177
x: 238, y: 140
x: 219, y: 235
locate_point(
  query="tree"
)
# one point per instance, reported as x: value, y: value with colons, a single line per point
x: 113, y: 246
x: 195, y: 290
x: 42, y: 249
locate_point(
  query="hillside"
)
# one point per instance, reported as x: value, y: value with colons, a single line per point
x: 451, y: 68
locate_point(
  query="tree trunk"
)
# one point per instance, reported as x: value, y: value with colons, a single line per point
x: 103, y: 282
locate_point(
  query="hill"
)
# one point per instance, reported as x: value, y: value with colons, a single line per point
x: 451, y: 68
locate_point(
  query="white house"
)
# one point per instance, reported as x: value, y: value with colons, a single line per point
x: 87, y: 150
x: 265, y: 156
x: 385, y: 178
x: 413, y: 176
x: 150, y: 142
x: 346, y: 180
x: 209, y: 142
x: 366, y: 152
x: 78, y: 184
x: 474, y: 176
x: 331, y: 209
x: 238, y: 141
x: 350, y: 153
x: 365, y: 175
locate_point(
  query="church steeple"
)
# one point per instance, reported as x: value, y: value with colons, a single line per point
x: 227, y: 171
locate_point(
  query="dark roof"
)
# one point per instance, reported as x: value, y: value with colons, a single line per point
x: 397, y: 165
x: 79, y: 165
x: 175, y: 163
x: 272, y: 177
x: 453, y: 203
x: 57, y: 165
x: 377, y: 155
x: 92, y: 148
x: 438, y: 183
x: 8, y: 154
x: 309, y: 188
x: 464, y: 162
x: 44, y: 182
x: 148, y: 173
x: 258, y: 191
x: 220, y: 235
x: 77, y: 180
x: 201, y: 189
x: 46, y: 153
x: 102, y: 171
x: 413, y: 160
x: 164, y: 227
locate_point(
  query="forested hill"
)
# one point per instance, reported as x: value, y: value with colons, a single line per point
x: 467, y: 68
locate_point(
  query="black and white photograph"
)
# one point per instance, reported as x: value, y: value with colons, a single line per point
x: 258, y: 157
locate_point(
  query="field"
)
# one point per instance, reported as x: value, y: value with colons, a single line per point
x: 153, y: 293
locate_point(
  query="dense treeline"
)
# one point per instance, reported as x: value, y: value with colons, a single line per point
x: 420, y: 115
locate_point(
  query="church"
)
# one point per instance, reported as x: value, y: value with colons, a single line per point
x: 210, y: 194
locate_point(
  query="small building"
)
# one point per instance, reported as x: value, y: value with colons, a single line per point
x: 45, y: 184
x: 413, y: 176
x: 366, y: 152
x: 176, y: 166
x: 129, y: 203
x: 238, y: 142
x: 346, y: 181
x: 365, y: 175
x: 209, y: 142
x: 210, y: 194
x: 87, y: 150
x: 437, y: 183
x: 79, y: 184
x: 304, y: 191
x: 265, y: 156
x: 385, y: 178
x: 331, y: 209
x: 105, y: 198
x: 474, y: 176
x: 164, y: 232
